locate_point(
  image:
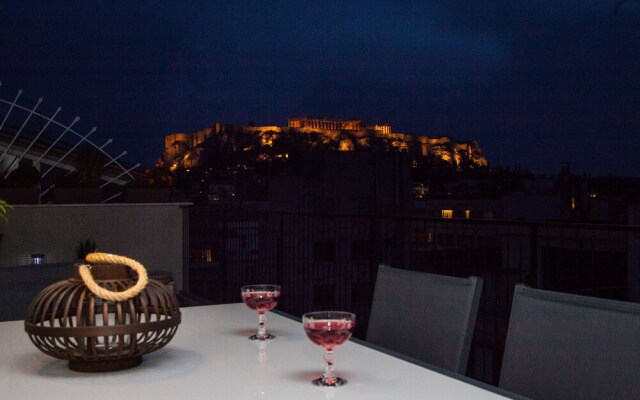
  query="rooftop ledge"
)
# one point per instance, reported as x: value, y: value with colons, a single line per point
x: 179, y: 204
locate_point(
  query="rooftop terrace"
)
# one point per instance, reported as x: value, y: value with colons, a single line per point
x: 330, y: 261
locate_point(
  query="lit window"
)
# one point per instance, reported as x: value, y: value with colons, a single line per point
x: 467, y: 214
x: 447, y: 213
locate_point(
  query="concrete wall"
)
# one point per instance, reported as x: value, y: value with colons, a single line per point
x: 149, y: 233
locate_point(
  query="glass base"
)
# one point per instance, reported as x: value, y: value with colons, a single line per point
x: 268, y: 336
x: 337, y: 382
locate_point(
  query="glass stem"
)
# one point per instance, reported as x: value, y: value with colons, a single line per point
x: 329, y: 376
x: 262, y: 329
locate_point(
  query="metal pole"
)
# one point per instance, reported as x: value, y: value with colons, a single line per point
x: 124, y: 173
x: 21, y: 128
x: 69, y: 152
x: 114, y: 159
x: 49, y: 120
x: 58, y: 139
x: 103, y: 146
x: 112, y: 197
x: 10, y: 109
x: 49, y: 188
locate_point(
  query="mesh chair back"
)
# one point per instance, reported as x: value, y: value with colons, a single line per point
x: 564, y: 346
x: 425, y: 316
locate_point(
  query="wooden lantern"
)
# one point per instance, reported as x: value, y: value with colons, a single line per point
x: 102, y: 319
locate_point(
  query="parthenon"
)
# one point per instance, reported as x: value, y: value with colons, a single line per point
x: 335, y: 124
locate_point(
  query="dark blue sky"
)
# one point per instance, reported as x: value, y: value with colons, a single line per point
x: 536, y: 83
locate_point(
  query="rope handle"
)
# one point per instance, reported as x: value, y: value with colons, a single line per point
x: 106, y: 258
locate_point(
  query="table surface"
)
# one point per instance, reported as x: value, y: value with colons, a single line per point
x: 211, y: 357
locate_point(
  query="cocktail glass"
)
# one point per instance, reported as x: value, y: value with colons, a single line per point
x: 329, y: 329
x: 261, y: 298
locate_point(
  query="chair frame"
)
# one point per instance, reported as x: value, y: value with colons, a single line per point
x: 593, y: 314
x: 472, y: 288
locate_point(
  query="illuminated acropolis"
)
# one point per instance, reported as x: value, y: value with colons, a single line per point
x: 345, y: 134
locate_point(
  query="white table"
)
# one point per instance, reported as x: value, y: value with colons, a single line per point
x: 211, y: 358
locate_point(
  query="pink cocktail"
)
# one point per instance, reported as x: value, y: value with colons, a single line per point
x: 261, y: 298
x: 329, y: 329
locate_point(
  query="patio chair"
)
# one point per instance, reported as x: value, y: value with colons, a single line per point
x: 425, y: 316
x: 564, y: 346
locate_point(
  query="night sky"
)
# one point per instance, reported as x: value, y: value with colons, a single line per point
x: 536, y: 83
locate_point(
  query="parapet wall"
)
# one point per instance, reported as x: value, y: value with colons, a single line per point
x: 150, y: 233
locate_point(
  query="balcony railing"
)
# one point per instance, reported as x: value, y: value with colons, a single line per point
x: 330, y: 262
